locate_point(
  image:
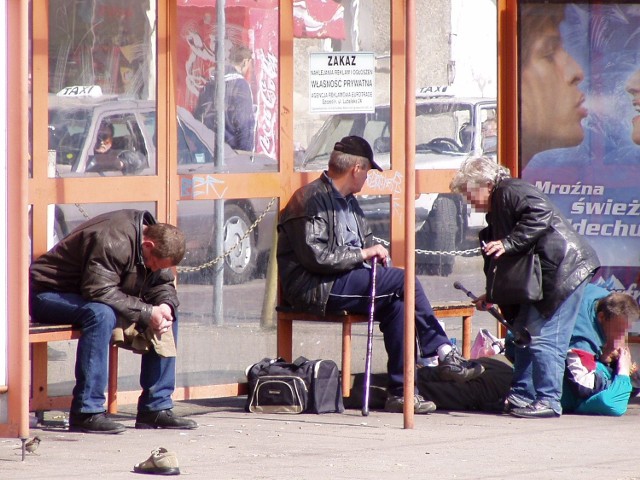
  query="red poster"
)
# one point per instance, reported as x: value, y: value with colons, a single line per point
x: 253, y: 23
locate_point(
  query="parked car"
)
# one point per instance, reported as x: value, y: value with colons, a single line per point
x: 74, y: 125
x: 448, y: 130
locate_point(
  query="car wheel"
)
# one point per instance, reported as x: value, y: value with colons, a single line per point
x: 239, y: 264
x: 443, y: 231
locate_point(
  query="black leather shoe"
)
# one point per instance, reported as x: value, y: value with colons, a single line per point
x: 94, y: 423
x: 163, y: 419
x: 535, y: 410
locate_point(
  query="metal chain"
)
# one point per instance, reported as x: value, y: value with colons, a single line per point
x: 214, y: 261
x: 78, y: 206
x: 470, y: 251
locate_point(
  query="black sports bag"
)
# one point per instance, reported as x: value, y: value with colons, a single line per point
x: 277, y: 386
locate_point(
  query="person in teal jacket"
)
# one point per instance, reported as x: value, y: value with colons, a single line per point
x: 598, y: 365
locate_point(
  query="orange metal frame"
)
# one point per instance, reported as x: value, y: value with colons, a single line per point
x: 40, y: 191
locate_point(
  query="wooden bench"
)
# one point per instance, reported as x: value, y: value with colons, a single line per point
x: 39, y: 336
x: 286, y: 316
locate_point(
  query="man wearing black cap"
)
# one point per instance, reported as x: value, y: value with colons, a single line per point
x: 324, y: 249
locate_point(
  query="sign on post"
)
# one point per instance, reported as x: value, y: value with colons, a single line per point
x: 342, y: 82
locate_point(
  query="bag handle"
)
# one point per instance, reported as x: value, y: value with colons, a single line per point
x: 298, y: 362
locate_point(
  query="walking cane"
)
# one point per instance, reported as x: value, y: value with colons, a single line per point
x: 521, y: 337
x: 367, y: 364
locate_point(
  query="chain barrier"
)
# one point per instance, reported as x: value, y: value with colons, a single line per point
x: 214, y: 261
x: 468, y: 252
x: 77, y: 205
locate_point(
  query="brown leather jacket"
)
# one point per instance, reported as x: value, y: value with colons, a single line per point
x: 102, y: 261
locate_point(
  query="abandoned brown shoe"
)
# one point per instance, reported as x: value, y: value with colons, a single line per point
x: 161, y: 462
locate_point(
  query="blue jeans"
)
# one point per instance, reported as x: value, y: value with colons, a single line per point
x: 539, y: 369
x: 351, y: 291
x: 97, y: 320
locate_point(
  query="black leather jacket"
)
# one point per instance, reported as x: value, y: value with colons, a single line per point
x: 309, y: 254
x: 522, y: 216
x: 102, y: 261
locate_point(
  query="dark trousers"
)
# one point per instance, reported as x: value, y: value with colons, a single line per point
x: 351, y: 291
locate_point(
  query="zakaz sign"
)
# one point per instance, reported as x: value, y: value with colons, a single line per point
x: 342, y: 82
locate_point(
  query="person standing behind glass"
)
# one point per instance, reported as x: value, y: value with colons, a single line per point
x: 239, y: 118
x: 521, y: 217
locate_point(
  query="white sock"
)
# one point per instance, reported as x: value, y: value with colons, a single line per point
x: 443, y: 350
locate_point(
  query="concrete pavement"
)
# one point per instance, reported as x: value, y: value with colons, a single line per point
x: 231, y: 444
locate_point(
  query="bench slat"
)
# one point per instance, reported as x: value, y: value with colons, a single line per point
x: 42, y: 333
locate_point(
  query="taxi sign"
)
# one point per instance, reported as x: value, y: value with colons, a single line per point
x: 81, y: 91
x: 435, y: 91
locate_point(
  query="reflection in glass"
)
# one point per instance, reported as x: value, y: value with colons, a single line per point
x: 241, y: 112
x: 337, y: 27
x: 448, y: 130
x: 247, y: 239
x: 101, y: 77
x: 196, y: 151
x: 68, y: 216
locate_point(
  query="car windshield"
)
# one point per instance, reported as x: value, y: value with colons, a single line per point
x: 443, y: 129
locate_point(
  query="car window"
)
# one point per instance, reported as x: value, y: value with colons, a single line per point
x: 191, y: 147
x: 489, y: 131
x: 68, y: 129
x: 439, y: 127
x: 127, y: 153
x: 376, y: 129
x: 149, y: 123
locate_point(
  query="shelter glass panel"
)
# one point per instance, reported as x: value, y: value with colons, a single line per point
x: 342, y: 78
x: 102, y: 88
x: 230, y: 125
x: 222, y: 288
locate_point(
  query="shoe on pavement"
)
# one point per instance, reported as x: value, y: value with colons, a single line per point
x: 163, y: 419
x: 94, y: 423
x: 395, y: 404
x: 161, y: 462
x: 454, y: 367
x: 538, y: 409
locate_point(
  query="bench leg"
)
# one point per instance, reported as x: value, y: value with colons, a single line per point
x: 346, y: 358
x: 39, y: 382
x: 466, y: 336
x: 112, y: 388
x: 285, y: 339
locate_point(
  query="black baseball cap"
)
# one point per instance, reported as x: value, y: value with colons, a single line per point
x: 354, y: 145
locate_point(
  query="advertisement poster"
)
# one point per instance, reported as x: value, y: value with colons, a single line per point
x: 579, y: 96
x: 252, y: 23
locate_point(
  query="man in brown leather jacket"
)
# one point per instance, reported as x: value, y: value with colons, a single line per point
x: 115, y: 266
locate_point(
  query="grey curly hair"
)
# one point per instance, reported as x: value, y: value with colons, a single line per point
x: 478, y: 170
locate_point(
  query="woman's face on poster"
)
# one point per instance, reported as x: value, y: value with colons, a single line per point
x: 633, y: 88
x: 552, y: 104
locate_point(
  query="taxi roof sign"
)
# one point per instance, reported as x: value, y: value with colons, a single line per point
x: 435, y: 91
x: 94, y: 91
